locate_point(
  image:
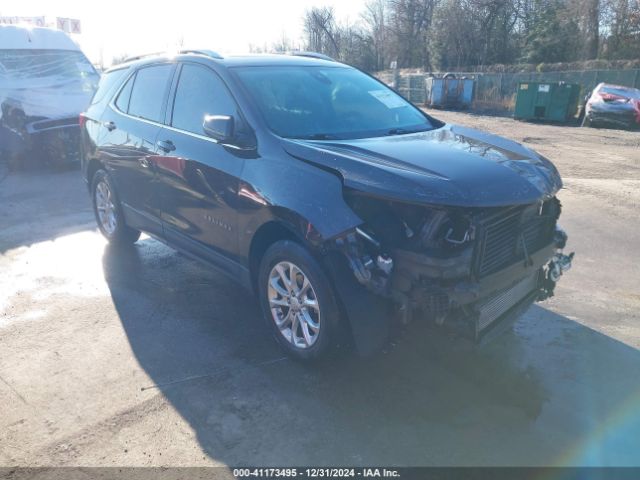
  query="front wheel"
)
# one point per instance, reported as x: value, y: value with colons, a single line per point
x: 297, y: 301
x: 108, y: 211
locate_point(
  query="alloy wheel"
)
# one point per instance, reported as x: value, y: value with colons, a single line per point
x: 294, y: 305
x: 105, y: 208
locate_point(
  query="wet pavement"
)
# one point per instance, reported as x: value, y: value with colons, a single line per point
x: 139, y: 356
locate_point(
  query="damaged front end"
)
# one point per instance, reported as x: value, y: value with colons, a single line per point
x: 464, y: 269
x: 37, y: 139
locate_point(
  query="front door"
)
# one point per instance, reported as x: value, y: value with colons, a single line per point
x: 197, y: 177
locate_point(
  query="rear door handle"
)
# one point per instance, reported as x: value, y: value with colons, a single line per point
x: 109, y: 126
x: 166, y: 145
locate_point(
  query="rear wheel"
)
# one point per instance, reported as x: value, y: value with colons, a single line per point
x: 297, y: 301
x: 108, y: 211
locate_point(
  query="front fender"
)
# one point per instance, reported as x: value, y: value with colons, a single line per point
x: 306, y: 198
x: 368, y: 314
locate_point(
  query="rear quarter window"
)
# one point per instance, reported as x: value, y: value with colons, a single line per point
x: 122, y: 102
x: 108, y: 83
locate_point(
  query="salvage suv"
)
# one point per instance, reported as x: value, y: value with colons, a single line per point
x: 339, y: 203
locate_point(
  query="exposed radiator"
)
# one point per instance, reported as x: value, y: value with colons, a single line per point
x: 493, y: 307
x: 509, y: 236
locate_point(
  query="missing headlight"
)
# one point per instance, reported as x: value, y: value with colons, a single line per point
x: 418, y: 228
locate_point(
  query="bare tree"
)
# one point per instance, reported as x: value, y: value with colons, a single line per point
x: 456, y: 33
x: 284, y: 44
x: 621, y: 19
x: 320, y: 29
x: 409, y: 24
x: 375, y: 19
x: 591, y: 28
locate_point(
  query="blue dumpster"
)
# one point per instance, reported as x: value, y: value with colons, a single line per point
x: 449, y: 92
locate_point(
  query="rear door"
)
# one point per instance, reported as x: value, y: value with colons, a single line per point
x: 90, y: 123
x: 198, y: 178
x: 130, y: 126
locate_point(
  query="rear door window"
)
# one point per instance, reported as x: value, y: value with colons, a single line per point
x: 149, y: 92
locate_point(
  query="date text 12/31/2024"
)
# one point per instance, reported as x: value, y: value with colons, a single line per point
x: 315, y: 472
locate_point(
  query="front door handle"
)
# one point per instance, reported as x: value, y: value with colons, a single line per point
x: 109, y: 126
x: 166, y: 145
x: 145, y: 163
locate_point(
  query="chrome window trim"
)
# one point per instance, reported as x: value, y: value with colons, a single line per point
x: 112, y: 106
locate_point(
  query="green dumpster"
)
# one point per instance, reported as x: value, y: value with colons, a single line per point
x: 553, y: 101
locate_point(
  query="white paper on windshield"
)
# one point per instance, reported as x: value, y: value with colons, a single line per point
x: 388, y: 98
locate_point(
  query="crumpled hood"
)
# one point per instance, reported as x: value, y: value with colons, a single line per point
x: 452, y: 165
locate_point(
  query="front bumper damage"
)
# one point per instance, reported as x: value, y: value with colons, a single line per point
x: 450, y: 291
x: 38, y: 139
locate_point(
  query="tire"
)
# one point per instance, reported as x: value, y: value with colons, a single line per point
x: 304, y: 341
x: 108, y: 211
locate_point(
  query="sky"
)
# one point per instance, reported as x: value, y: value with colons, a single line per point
x: 117, y: 27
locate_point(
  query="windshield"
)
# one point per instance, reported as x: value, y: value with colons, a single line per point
x: 328, y: 103
x: 32, y: 64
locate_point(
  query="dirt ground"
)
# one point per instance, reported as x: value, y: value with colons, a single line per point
x: 141, y: 357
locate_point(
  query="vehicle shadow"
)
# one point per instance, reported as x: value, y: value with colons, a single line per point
x: 553, y: 392
x: 40, y: 206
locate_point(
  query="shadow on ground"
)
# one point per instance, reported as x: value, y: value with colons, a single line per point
x: 552, y: 392
x: 37, y: 206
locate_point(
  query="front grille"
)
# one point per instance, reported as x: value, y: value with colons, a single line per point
x: 493, y: 307
x: 509, y: 236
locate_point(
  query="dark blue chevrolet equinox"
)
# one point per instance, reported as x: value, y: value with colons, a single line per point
x: 340, y: 204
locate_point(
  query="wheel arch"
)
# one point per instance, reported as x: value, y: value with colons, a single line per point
x: 365, y: 314
x: 92, y: 167
x: 266, y: 235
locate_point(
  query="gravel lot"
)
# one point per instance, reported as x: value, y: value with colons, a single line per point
x: 142, y: 357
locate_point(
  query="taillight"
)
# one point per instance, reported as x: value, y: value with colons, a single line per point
x: 636, y: 104
x: 82, y: 119
x: 610, y: 97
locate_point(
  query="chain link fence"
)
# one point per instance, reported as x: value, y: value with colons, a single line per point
x: 497, y: 91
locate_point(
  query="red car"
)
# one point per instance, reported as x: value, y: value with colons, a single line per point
x: 613, y: 106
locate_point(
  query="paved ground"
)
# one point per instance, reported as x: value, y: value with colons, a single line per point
x: 142, y: 357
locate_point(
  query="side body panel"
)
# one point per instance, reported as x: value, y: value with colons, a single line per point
x: 198, y: 188
x: 127, y: 151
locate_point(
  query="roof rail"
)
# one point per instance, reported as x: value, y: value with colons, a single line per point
x: 138, y: 57
x: 208, y: 53
x: 320, y: 56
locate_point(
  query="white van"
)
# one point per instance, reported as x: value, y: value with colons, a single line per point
x: 45, y: 82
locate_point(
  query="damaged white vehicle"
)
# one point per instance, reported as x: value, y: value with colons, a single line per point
x: 45, y: 82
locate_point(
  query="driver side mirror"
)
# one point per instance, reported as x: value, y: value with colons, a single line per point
x: 219, y: 127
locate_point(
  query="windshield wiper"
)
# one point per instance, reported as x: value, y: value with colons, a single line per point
x: 404, y: 131
x: 320, y: 136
